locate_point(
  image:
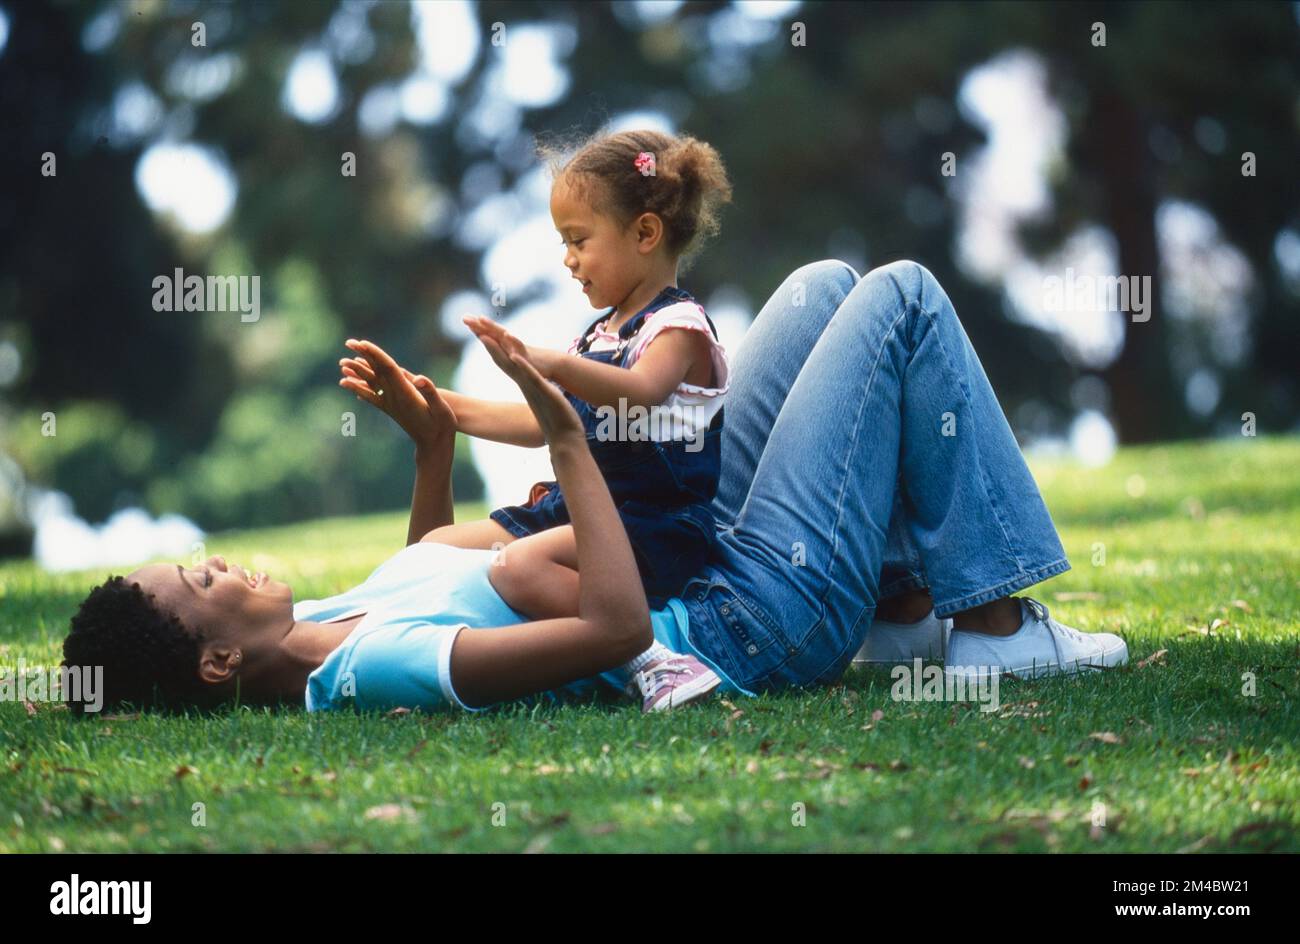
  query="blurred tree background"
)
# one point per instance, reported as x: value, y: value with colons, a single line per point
x: 834, y: 120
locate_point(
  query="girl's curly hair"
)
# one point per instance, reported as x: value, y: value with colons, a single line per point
x: 686, y: 191
x: 150, y: 658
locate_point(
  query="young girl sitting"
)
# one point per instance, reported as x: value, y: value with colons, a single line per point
x: 647, y: 378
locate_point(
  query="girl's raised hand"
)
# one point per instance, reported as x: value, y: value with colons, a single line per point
x: 411, y: 400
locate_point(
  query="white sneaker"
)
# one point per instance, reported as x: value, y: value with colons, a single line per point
x: 899, y: 643
x: 1041, y: 646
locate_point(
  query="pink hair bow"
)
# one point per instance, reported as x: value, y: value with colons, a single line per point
x: 645, y: 163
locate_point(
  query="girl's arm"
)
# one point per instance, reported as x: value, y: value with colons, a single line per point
x: 511, y: 423
x: 664, y: 364
x: 613, y: 621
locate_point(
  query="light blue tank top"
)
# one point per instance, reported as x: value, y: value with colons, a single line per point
x: 415, y: 604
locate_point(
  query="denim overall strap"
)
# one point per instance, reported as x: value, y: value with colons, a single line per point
x: 634, y: 324
x: 629, y: 331
x: 661, y: 489
x: 615, y: 358
x: 584, y: 342
x: 625, y: 333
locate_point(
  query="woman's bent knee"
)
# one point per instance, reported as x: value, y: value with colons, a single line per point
x: 832, y: 276
x: 914, y: 282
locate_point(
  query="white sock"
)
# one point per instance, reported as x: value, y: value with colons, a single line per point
x: 656, y: 652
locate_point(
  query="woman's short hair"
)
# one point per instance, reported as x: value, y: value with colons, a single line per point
x: 150, y: 659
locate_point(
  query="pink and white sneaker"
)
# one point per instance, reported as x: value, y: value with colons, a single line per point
x: 673, y: 682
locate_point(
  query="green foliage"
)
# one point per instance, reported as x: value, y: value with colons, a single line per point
x: 96, y: 452
x: 834, y: 148
x: 283, y: 448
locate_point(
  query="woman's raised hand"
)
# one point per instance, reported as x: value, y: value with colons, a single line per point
x: 556, y: 417
x: 412, y: 400
x: 542, y: 359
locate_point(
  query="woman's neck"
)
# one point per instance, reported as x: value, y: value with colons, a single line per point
x: 303, y: 651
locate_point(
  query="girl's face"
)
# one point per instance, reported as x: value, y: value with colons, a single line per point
x: 604, y: 258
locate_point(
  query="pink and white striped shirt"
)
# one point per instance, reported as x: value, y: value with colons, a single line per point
x: 696, y: 405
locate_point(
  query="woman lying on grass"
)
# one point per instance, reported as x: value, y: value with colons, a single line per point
x: 867, y: 460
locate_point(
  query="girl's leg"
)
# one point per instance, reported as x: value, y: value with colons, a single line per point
x: 893, y: 388
x: 764, y: 368
x: 538, y: 575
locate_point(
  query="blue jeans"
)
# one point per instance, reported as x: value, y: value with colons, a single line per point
x: 865, y: 454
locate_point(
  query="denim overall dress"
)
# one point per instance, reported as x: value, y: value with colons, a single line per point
x: 662, y: 490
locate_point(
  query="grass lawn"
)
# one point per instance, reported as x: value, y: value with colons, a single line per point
x: 1201, y: 575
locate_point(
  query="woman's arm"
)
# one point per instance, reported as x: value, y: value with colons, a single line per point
x: 414, y: 404
x: 613, y: 621
x: 432, y: 504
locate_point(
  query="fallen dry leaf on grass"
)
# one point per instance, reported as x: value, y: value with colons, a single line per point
x: 387, y: 812
x: 1210, y: 629
x: 1156, y: 658
x: 75, y: 770
x: 1242, y: 769
x: 1022, y: 709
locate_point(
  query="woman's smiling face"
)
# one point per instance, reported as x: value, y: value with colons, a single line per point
x: 222, y: 600
x: 596, y: 251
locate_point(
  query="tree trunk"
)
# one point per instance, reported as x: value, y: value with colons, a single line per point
x: 1144, y: 395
